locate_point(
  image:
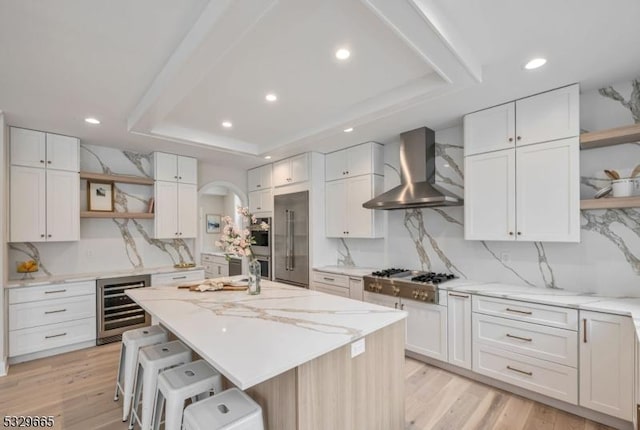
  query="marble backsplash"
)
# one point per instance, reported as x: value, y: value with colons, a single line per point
x: 108, y: 244
x: 607, y: 261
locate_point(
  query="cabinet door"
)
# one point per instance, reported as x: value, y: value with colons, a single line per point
x: 63, y: 206
x: 548, y: 116
x: 265, y: 176
x: 356, y: 288
x: 459, y: 329
x: 281, y: 173
x: 256, y: 179
x: 488, y: 130
x: 165, y: 166
x: 547, y: 190
x: 426, y: 329
x: 336, y: 208
x: 330, y: 289
x: 335, y: 165
x: 299, y: 168
x: 606, y: 364
x: 255, y: 201
x: 27, y: 147
x: 63, y: 152
x: 187, y: 170
x: 489, y: 194
x: 358, y: 219
x: 380, y: 300
x: 187, y: 210
x: 27, y: 204
x: 166, y: 213
x: 359, y: 161
x: 266, y: 201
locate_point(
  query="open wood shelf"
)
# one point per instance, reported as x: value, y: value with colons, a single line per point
x: 123, y: 179
x: 610, y: 203
x: 96, y: 214
x: 612, y: 136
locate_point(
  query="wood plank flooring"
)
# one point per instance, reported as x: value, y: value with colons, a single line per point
x: 77, y: 389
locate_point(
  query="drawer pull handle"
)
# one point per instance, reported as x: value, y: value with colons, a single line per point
x: 584, y: 330
x: 526, y: 339
x: 55, y: 291
x: 55, y: 312
x: 55, y: 335
x: 180, y: 277
x: 520, y: 371
x: 459, y: 295
x: 519, y: 312
x: 328, y: 279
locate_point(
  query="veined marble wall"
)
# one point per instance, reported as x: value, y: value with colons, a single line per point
x: 607, y: 261
x: 108, y: 244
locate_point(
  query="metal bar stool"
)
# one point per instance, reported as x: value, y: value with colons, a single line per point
x: 132, y: 341
x: 230, y: 410
x: 151, y: 361
x: 175, y: 386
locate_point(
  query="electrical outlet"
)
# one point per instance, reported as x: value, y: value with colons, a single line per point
x: 505, y: 257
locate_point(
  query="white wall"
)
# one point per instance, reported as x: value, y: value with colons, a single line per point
x: 215, y: 205
x: 208, y: 172
x: 3, y: 254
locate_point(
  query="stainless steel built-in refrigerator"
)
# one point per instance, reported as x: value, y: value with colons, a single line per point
x: 291, y: 238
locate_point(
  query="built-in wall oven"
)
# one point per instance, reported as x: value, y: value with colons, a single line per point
x: 117, y: 312
x: 262, y: 247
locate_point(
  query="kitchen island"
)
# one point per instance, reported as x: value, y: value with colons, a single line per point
x: 312, y: 360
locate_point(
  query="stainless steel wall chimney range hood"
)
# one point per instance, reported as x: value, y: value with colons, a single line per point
x: 418, y: 174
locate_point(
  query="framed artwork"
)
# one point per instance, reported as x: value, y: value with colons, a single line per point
x: 213, y: 223
x: 100, y: 196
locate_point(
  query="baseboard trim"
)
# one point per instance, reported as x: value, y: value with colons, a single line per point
x: 568, y: 407
x: 49, y: 352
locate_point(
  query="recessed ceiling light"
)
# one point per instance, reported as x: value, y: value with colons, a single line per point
x: 271, y: 97
x: 348, y: 130
x: 535, y: 63
x: 92, y: 121
x: 342, y: 54
x: 227, y: 124
x: 267, y: 157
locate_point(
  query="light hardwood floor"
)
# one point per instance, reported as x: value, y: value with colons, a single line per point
x: 77, y: 388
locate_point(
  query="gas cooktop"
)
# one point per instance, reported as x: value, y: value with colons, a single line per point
x: 409, y: 284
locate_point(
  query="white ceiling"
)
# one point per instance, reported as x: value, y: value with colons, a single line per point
x: 163, y: 75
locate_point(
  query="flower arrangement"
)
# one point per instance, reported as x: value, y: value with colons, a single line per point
x: 237, y: 240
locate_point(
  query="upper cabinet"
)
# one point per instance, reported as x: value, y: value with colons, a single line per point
x: 31, y: 148
x: 363, y: 159
x: 291, y: 170
x: 541, y: 118
x: 261, y: 202
x: 524, y: 186
x: 175, y: 168
x: 259, y: 178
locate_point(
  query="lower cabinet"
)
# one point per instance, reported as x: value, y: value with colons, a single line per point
x: 176, y: 278
x: 607, y: 364
x: 338, y: 285
x: 215, y: 266
x: 459, y: 329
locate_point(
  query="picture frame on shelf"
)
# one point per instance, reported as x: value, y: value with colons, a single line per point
x: 212, y: 223
x: 100, y: 196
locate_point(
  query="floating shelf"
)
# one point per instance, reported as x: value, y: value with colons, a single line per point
x: 610, y: 203
x: 95, y: 214
x: 612, y: 136
x: 123, y: 179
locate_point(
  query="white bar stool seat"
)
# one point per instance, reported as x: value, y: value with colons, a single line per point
x: 151, y: 361
x: 132, y: 341
x: 230, y: 410
x: 175, y: 386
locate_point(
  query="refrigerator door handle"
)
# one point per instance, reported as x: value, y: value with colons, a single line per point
x: 290, y: 245
x: 286, y: 240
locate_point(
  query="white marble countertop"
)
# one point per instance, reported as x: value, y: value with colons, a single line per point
x: 218, y: 254
x: 251, y: 339
x: 347, y: 270
x: 79, y: 277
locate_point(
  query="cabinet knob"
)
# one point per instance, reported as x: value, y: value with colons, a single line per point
x: 42, y: 235
x: 179, y: 177
x: 175, y: 177
x: 48, y: 161
x: 347, y: 172
x: 519, y: 233
x: 42, y: 161
x: 511, y: 139
x: 176, y: 233
x: 258, y: 208
x: 510, y: 233
x: 258, y: 186
x: 48, y: 235
x: 519, y: 138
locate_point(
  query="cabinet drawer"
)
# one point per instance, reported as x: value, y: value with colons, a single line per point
x: 176, y: 278
x: 36, y: 339
x: 206, y: 258
x: 550, y: 379
x: 25, y: 315
x: 51, y: 291
x: 331, y: 279
x: 331, y: 289
x: 532, y: 312
x: 535, y: 340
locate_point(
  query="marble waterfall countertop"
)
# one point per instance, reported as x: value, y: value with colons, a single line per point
x: 79, y: 277
x: 251, y: 339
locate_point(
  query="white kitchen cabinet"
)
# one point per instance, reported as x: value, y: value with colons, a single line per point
x: 426, y: 329
x: 173, y: 279
x: 356, y: 288
x: 345, y: 216
x: 176, y: 210
x: 291, y: 170
x: 175, y: 168
x: 459, y: 329
x: 215, y: 266
x: 363, y: 159
x: 259, y: 178
x: 261, y: 201
x: 33, y: 148
x: 338, y: 285
x: 490, y: 129
x: 44, y: 205
x: 606, y: 364
x: 529, y: 194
